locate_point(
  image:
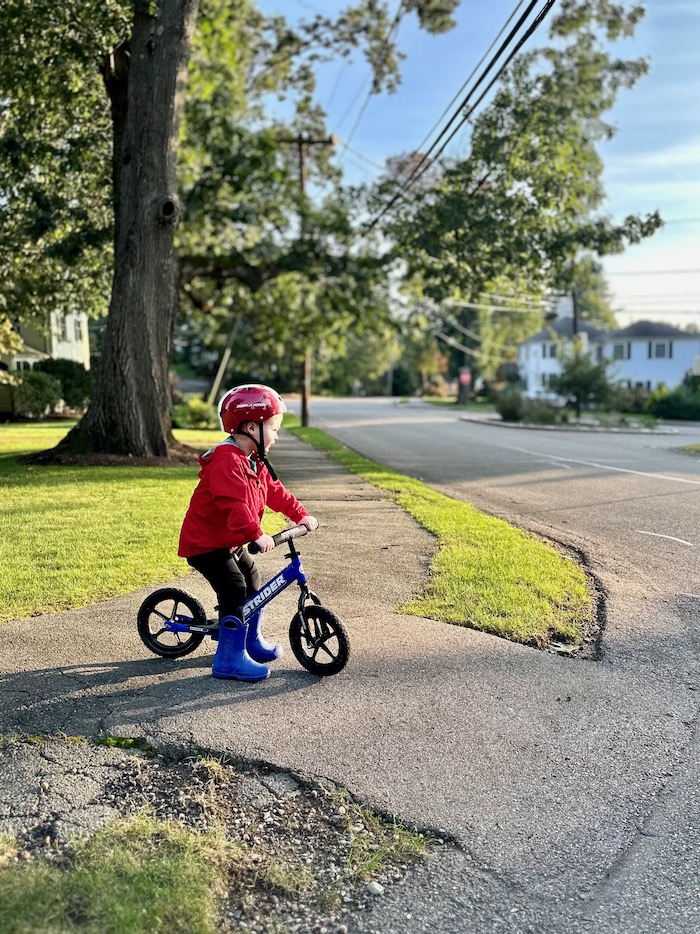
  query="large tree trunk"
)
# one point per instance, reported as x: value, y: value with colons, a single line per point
x: 145, y: 79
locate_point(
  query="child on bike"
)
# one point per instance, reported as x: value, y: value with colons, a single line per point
x: 235, y: 484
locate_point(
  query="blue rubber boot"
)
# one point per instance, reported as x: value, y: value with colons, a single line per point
x: 257, y: 647
x: 231, y: 659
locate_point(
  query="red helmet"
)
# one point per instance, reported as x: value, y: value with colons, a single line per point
x: 251, y: 402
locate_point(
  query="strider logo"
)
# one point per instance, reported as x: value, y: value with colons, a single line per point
x: 267, y: 591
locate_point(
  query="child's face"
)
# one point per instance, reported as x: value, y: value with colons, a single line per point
x: 270, y: 429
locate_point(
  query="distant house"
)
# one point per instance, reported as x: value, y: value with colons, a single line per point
x: 643, y: 354
x: 67, y: 339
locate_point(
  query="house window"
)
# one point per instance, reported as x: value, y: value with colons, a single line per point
x: 552, y: 350
x: 63, y: 330
x: 78, y: 330
x: 545, y: 380
x: 544, y: 350
x: 660, y: 350
x: 622, y: 351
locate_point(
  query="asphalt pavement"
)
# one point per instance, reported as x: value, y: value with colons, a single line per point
x: 569, y: 787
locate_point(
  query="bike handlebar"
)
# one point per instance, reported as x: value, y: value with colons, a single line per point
x: 295, y: 532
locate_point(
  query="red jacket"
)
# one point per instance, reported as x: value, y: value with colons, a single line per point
x: 228, y: 503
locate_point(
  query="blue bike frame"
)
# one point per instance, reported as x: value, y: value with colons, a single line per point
x: 292, y: 574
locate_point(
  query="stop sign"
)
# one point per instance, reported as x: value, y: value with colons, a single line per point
x: 465, y: 377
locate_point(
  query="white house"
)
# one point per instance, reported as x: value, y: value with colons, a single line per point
x: 643, y: 354
x: 538, y: 356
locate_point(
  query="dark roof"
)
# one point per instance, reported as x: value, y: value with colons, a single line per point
x: 564, y: 327
x: 649, y: 329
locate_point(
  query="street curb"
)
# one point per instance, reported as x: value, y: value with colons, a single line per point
x: 581, y: 429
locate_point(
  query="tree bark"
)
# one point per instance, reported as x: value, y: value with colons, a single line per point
x: 145, y: 79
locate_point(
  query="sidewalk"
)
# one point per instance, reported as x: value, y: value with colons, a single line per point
x: 544, y: 770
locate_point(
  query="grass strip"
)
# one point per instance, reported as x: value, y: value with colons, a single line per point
x: 486, y: 574
x: 71, y: 536
x: 135, y: 876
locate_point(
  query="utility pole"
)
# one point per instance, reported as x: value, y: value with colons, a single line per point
x: 301, y: 142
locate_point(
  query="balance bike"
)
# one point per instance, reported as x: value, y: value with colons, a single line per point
x: 172, y: 623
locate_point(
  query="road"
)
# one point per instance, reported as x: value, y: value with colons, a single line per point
x: 629, y: 502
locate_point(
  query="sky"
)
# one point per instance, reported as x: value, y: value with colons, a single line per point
x: 653, y: 162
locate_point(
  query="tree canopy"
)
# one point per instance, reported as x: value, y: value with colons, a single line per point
x: 522, y: 214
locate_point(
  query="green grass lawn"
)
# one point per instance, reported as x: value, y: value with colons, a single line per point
x: 70, y: 536
x: 693, y: 448
x: 486, y: 574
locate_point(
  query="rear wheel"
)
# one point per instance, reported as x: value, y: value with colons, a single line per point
x: 322, y: 645
x: 170, y: 605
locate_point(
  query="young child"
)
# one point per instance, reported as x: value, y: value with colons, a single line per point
x: 235, y: 485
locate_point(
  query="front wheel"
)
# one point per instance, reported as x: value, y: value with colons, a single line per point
x: 170, y: 605
x: 320, y: 643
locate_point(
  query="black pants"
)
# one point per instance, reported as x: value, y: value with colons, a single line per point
x: 233, y: 576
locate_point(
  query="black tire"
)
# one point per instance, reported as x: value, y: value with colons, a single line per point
x: 167, y: 604
x: 328, y: 650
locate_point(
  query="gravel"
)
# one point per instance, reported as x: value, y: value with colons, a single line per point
x: 314, y: 859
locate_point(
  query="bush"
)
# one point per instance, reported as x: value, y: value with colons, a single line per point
x: 76, y: 382
x: 195, y: 412
x: 509, y: 406
x: 36, y: 395
x: 541, y: 412
x: 633, y: 399
x: 682, y: 403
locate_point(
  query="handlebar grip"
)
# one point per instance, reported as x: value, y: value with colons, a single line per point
x: 281, y: 537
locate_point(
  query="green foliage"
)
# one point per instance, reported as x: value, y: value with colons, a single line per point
x: 582, y: 380
x: 633, y: 400
x: 526, y: 202
x: 510, y: 406
x: 682, y: 403
x: 76, y: 382
x: 591, y: 293
x: 36, y: 395
x: 55, y: 155
x: 195, y: 412
x: 541, y: 412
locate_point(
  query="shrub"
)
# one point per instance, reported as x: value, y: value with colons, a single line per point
x: 682, y: 403
x: 36, y: 395
x: 509, y: 406
x: 76, y: 382
x: 541, y: 412
x: 633, y: 399
x: 195, y: 412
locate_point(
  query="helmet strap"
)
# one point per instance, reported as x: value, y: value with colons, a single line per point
x: 260, y: 445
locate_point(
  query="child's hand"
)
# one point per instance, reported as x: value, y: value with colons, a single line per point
x: 310, y: 522
x: 265, y: 543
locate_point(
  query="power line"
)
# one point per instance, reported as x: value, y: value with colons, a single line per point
x: 524, y: 311
x: 418, y: 171
x: 393, y: 29
x: 424, y: 158
x: 654, y: 272
x: 362, y: 156
x: 473, y: 72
